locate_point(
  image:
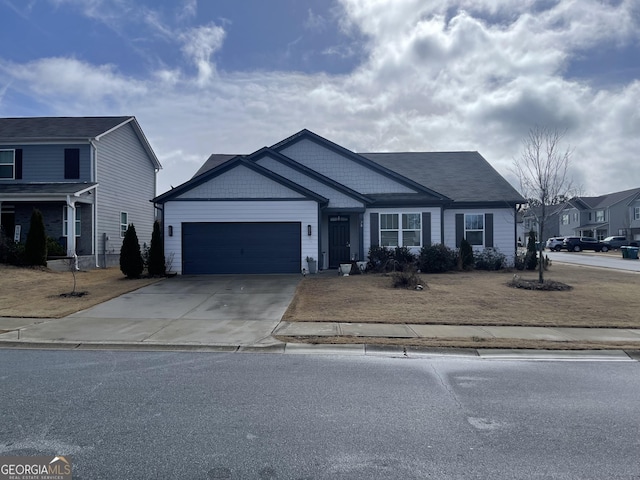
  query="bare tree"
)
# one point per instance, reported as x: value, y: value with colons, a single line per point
x: 543, y: 172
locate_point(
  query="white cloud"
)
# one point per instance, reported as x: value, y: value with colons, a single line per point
x: 439, y: 75
x: 199, y: 44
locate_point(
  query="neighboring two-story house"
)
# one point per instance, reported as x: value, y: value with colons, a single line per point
x: 615, y: 213
x: 89, y: 176
x: 308, y: 197
x: 531, y: 218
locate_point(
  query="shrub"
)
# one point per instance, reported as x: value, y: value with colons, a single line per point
x: 403, y: 258
x: 531, y: 260
x: 35, y: 248
x: 380, y: 259
x: 406, y: 279
x: 490, y: 259
x: 520, y: 261
x: 54, y: 249
x: 131, y: 263
x: 465, y: 258
x: 436, y: 258
x: 156, y: 264
x: 11, y: 252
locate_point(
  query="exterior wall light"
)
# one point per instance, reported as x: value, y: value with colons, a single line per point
x: 309, y: 230
x: 171, y: 230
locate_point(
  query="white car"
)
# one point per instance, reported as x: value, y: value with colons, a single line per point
x: 555, y: 243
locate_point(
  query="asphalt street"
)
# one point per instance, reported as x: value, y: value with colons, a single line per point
x: 131, y: 415
x: 591, y: 259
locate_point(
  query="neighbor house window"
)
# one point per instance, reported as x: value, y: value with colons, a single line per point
x: 574, y: 217
x: 474, y: 228
x: 124, y: 223
x: 71, y: 163
x: 636, y: 213
x: 600, y: 216
x: 7, y: 164
x: 564, y: 219
x: 391, y: 233
x: 65, y: 221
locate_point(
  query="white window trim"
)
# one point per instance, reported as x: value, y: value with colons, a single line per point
x: 636, y: 213
x: 400, y: 231
x: 65, y: 220
x: 565, y: 219
x: 13, y: 164
x: 475, y: 229
x: 598, y: 213
x: 125, y: 225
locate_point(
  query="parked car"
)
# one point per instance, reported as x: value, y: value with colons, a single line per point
x: 555, y: 243
x: 616, y: 242
x: 577, y: 244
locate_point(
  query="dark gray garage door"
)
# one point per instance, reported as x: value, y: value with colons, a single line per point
x: 241, y: 248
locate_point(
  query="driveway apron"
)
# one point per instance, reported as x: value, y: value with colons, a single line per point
x: 236, y: 310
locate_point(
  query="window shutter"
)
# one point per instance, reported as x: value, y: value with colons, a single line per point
x: 426, y: 229
x: 18, y: 164
x: 488, y: 230
x: 459, y: 228
x: 374, y: 229
x: 72, y: 163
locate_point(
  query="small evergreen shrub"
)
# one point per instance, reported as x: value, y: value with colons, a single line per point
x: 404, y: 258
x: 131, y: 263
x: 35, y: 248
x: 520, y: 261
x: 380, y: 259
x: 11, y: 253
x: 54, y: 249
x: 436, y: 258
x: 490, y: 259
x: 156, y: 264
x: 465, y: 258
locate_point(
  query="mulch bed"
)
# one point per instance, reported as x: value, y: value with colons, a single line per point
x: 528, y: 284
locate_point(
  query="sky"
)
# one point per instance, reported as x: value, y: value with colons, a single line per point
x: 232, y: 76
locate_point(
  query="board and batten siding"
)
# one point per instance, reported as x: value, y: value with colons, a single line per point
x: 342, y: 169
x: 177, y: 212
x: 240, y: 182
x: 127, y: 182
x: 336, y: 198
x: 45, y: 163
x: 435, y: 223
x: 503, y: 229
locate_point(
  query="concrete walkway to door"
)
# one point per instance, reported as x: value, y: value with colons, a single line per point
x: 223, y: 310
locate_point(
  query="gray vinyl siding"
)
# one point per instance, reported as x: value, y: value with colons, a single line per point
x: 45, y: 163
x: 342, y: 169
x: 240, y: 182
x: 618, y: 217
x: 336, y: 198
x: 126, y: 183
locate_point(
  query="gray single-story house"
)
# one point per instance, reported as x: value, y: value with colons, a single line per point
x: 307, y: 197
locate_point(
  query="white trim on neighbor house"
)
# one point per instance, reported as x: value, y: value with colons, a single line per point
x: 124, y: 225
x: 503, y: 234
x: 13, y: 164
x: 241, y: 211
x: 435, y: 224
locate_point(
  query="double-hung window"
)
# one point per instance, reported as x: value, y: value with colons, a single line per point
x: 474, y: 228
x: 400, y: 229
x: 564, y: 219
x: 124, y: 223
x: 600, y: 216
x: 65, y: 221
x: 636, y: 213
x: 7, y: 164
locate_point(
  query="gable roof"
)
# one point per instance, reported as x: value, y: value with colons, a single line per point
x: 610, y: 199
x: 361, y: 159
x: 461, y: 176
x: 43, y: 129
x: 229, y: 165
x: 213, y: 161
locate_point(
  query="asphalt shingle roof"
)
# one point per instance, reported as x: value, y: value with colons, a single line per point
x: 56, y: 127
x: 461, y: 176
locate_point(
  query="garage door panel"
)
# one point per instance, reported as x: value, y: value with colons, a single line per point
x: 270, y: 247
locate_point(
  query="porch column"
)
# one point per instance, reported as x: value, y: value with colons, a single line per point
x: 361, y: 254
x: 71, y: 228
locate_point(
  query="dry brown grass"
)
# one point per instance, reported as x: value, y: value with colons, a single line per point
x: 599, y: 298
x: 35, y: 292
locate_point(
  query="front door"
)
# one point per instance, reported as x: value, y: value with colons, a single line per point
x: 339, y: 246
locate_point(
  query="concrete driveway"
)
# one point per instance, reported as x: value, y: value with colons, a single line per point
x: 234, y: 310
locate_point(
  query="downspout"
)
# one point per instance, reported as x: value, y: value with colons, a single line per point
x: 94, y: 217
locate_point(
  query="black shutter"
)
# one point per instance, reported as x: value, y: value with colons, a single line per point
x: 374, y: 229
x: 488, y: 230
x: 18, y: 164
x: 72, y: 163
x: 426, y: 229
x: 459, y: 228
